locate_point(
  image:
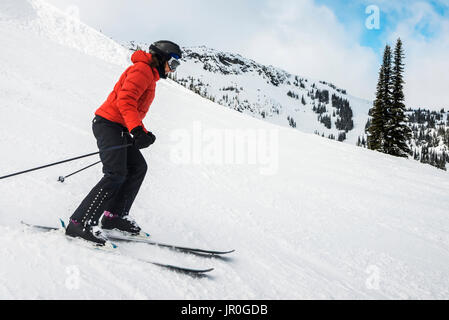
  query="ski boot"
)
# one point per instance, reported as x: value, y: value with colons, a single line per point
x: 89, y: 233
x: 125, y: 225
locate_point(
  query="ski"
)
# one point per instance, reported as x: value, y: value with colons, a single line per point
x: 184, y: 270
x: 42, y: 228
x: 114, y: 249
x: 145, y: 238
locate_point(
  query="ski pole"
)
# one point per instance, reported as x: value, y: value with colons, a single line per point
x: 62, y: 179
x: 64, y: 161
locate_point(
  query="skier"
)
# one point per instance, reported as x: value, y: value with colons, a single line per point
x: 124, y: 169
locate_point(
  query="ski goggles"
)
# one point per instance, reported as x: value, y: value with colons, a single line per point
x: 174, y: 62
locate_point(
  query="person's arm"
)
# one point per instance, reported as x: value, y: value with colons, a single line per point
x: 135, y: 84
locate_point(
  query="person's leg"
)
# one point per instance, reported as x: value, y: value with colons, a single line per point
x: 136, y: 170
x: 114, y: 169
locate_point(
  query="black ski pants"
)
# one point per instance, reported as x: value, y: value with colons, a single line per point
x: 124, y: 171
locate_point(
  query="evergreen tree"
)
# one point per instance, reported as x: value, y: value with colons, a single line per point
x: 397, y: 130
x: 381, y: 106
x: 387, y: 100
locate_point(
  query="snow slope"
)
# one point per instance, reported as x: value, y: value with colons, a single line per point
x: 263, y: 89
x: 308, y: 105
x: 309, y: 217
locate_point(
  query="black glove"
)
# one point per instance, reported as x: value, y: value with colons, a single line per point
x: 141, y: 139
x: 152, y: 137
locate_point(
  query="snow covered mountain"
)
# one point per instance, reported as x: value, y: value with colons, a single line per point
x: 430, y: 136
x: 311, y: 106
x: 272, y: 94
x: 309, y: 217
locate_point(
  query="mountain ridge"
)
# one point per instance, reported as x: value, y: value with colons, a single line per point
x: 277, y: 96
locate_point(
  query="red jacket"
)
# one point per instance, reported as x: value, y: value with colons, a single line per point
x: 133, y: 94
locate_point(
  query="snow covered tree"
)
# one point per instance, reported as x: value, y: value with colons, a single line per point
x: 303, y: 101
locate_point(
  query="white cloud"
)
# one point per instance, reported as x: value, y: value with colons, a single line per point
x: 195, y: 22
x: 296, y: 35
x: 307, y: 39
x: 427, y: 63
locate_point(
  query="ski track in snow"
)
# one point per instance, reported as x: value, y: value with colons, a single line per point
x: 334, y: 222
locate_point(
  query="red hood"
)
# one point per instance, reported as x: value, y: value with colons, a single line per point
x: 142, y: 56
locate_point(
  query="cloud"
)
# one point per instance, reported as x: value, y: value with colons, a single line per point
x: 426, y: 42
x: 307, y: 39
x: 219, y: 24
x: 299, y: 36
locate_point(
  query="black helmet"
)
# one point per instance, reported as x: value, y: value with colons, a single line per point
x: 166, y: 49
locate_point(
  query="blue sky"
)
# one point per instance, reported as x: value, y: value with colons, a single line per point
x: 352, y: 15
x: 321, y: 39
